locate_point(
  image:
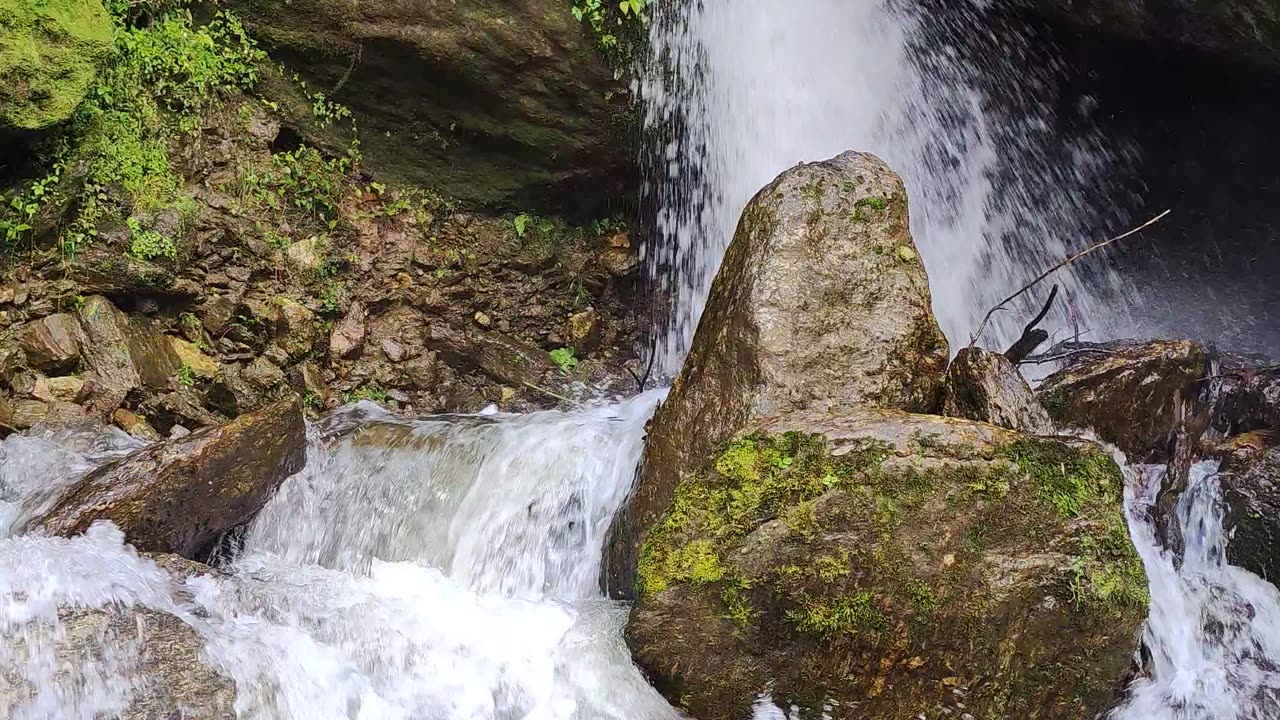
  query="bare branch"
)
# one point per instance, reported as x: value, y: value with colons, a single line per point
x: 973, y: 339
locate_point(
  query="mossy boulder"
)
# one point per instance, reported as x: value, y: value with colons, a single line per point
x: 881, y: 564
x: 487, y: 101
x: 50, y: 54
x: 821, y: 302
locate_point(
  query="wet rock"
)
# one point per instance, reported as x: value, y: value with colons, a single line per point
x: 506, y: 103
x: 181, y: 406
x: 123, y: 355
x: 133, y: 424
x: 619, y: 258
x: 499, y: 356
x: 104, y: 269
x: 217, y: 312
x: 51, y: 343
x: 306, y: 255
x: 23, y: 414
x: 1135, y: 395
x: 985, y: 386
x: 876, y: 564
x: 59, y: 389
x: 180, y: 496
x: 821, y: 302
x: 1246, y: 394
x: 348, y: 333
x: 1250, y: 478
x: 166, y: 654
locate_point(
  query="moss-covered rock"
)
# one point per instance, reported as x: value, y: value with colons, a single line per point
x: 882, y: 564
x: 821, y: 302
x: 50, y: 54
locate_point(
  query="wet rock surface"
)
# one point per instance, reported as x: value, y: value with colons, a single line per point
x: 985, y: 386
x: 180, y: 496
x: 821, y: 302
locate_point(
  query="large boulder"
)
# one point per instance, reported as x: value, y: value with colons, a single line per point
x: 821, y: 303
x: 985, y: 386
x: 50, y: 53
x: 1244, y: 30
x: 123, y: 353
x: 489, y: 101
x: 1250, y: 479
x: 181, y: 496
x: 886, y: 565
x: 1135, y: 395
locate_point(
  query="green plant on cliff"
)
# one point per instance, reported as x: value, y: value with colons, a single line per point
x: 608, y: 19
x: 565, y: 358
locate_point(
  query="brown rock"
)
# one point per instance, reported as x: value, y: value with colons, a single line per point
x: 583, y: 330
x: 1135, y: 396
x: 232, y: 394
x: 821, y: 302
x: 217, y: 312
x: 262, y: 375
x: 348, y: 333
x: 123, y: 355
x: 499, y: 356
x: 191, y: 356
x: 59, y: 389
x: 985, y: 386
x: 51, y: 344
x: 133, y: 424
x: 180, y: 496
x: 295, y: 328
x: 877, y: 564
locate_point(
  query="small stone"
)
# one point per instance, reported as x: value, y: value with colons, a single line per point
x: 482, y: 319
x: 201, y: 365
x: 6, y: 295
x: 67, y: 389
x: 133, y: 424
x: 51, y: 344
x: 392, y: 349
x: 306, y: 255
x: 239, y: 274
x: 25, y: 383
x: 296, y: 328
x: 263, y: 375
x: 506, y: 394
x: 216, y: 313
x: 399, y: 396
x: 583, y: 330
x: 619, y: 261
x: 25, y: 413
x: 177, y: 432
x: 348, y: 333
x: 20, y: 297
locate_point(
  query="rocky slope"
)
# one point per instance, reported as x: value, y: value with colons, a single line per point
x: 188, y: 258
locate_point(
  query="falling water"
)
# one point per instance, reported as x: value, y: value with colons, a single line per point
x: 445, y: 568
x: 736, y: 91
x: 1213, y: 633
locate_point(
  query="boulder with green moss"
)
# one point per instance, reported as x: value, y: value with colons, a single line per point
x: 887, y: 565
x: 50, y: 54
x: 821, y: 303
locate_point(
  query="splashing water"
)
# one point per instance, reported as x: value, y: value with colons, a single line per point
x: 1213, y: 633
x: 736, y: 91
x: 445, y: 568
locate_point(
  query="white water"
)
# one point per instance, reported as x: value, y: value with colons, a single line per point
x: 449, y: 572
x: 1214, y: 630
x: 740, y: 90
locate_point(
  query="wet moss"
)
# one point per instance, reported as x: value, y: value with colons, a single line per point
x: 50, y: 54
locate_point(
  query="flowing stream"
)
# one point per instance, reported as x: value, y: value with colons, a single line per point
x: 447, y: 568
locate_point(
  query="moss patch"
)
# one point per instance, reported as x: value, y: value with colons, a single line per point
x: 50, y: 53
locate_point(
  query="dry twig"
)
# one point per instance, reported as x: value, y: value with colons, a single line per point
x: 973, y: 339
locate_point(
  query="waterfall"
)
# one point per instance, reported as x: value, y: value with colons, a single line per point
x: 736, y: 91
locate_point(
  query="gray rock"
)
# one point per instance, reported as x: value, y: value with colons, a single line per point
x: 263, y: 376
x: 348, y: 333
x: 821, y: 303
x: 985, y: 386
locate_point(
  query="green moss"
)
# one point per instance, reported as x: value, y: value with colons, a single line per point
x: 1055, y: 403
x: 50, y: 54
x: 921, y: 596
x: 1067, y: 478
x: 825, y: 618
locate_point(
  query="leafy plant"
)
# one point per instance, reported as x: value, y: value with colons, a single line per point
x: 187, y: 375
x: 565, y: 358
x: 149, y: 244
x: 605, y: 22
x: 522, y: 224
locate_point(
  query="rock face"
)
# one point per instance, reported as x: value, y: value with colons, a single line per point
x: 1246, y: 30
x: 1250, y: 478
x: 484, y: 100
x: 880, y: 564
x: 50, y: 53
x: 985, y: 386
x: 821, y: 302
x: 180, y: 496
x: 1134, y: 395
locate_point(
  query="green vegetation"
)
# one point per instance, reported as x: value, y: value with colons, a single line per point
x: 565, y: 358
x: 50, y: 55
x: 368, y: 392
x: 609, y: 19
x: 187, y: 375
x: 825, y: 618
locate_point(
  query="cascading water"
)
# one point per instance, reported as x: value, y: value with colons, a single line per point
x: 736, y: 91
x: 445, y: 568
